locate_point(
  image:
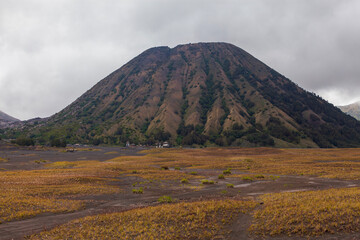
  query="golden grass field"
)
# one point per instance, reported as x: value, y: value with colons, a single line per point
x: 196, y: 220
x: 311, y: 213
x: 59, y: 187
x: 26, y: 194
x: 327, y: 163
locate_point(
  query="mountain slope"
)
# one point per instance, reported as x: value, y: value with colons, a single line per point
x: 197, y: 93
x: 7, y: 118
x: 352, y: 109
x: 7, y: 121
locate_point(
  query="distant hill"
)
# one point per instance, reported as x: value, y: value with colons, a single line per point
x: 7, y: 118
x: 205, y: 93
x: 352, y: 109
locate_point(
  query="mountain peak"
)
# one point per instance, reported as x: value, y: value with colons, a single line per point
x: 203, y: 93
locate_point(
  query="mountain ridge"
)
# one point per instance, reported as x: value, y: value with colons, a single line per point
x: 352, y: 109
x: 200, y: 93
x: 6, y: 117
x: 7, y: 120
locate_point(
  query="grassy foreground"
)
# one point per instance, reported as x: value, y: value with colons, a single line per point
x: 199, y: 220
x: 59, y: 186
x: 311, y: 213
x: 25, y: 194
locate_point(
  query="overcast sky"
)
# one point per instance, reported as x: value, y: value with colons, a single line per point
x: 51, y: 52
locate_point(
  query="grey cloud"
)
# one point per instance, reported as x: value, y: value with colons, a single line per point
x: 53, y: 51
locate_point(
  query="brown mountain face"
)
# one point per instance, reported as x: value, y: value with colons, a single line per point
x: 352, y: 109
x: 205, y: 93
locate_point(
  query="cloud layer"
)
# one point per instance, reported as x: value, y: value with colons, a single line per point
x: 51, y: 52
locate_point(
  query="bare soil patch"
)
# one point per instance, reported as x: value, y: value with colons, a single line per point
x: 30, y: 158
